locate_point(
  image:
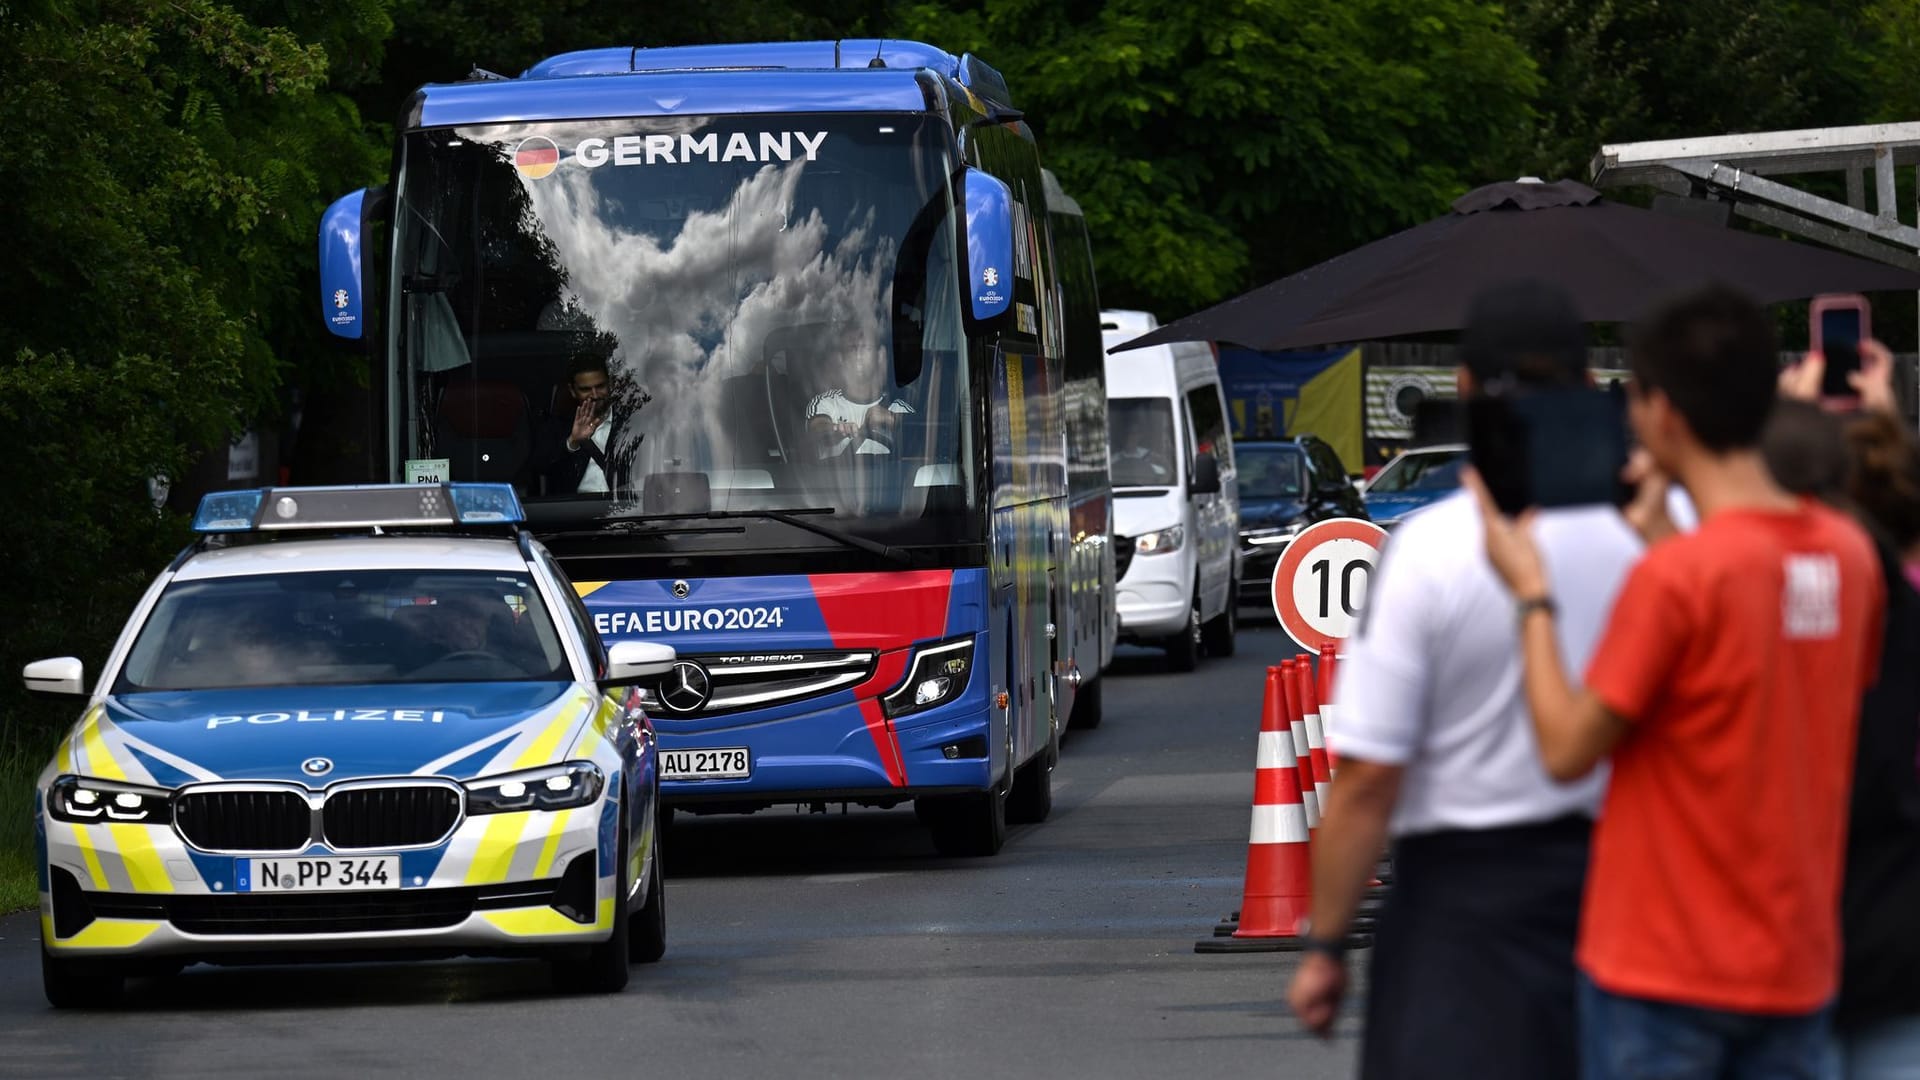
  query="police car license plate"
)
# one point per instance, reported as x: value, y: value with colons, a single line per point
x: 318, y: 875
x: 721, y: 763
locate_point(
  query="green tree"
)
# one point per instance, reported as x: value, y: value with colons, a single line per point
x: 165, y: 169
x: 1216, y: 147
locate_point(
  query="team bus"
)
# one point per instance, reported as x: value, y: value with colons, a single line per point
x: 793, y: 354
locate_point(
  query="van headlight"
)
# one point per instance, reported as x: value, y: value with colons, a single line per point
x: 1163, y: 542
x: 937, y: 675
x: 555, y: 787
x: 88, y: 801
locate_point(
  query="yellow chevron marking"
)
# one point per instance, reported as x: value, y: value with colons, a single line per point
x: 546, y: 922
x: 552, y: 847
x: 144, y: 867
x: 100, y: 761
x: 107, y: 934
x: 94, y: 872
x: 494, y: 857
x: 64, y: 755
x: 540, y: 751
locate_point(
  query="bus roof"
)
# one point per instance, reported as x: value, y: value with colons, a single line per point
x: 855, y: 75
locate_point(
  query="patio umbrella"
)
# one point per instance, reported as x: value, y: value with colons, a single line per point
x: 1616, y: 261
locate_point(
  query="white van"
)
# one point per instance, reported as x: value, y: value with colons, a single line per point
x: 1176, y: 502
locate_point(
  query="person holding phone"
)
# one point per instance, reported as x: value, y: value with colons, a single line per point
x: 1724, y: 696
x: 1472, y: 969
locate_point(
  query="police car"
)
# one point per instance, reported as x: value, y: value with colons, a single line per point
x: 352, y: 721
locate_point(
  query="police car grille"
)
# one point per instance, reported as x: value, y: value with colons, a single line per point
x: 244, y: 820
x: 389, y: 817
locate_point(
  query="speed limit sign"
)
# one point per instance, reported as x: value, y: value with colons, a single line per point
x: 1320, y: 582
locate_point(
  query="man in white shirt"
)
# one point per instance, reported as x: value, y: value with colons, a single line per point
x: 859, y: 414
x: 1472, y: 968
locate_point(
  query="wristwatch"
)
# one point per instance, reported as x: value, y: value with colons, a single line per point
x: 1334, y: 948
x: 1525, y: 607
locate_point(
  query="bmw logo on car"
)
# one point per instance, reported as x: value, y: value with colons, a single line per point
x: 316, y: 766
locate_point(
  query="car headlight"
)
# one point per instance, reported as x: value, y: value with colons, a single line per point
x: 553, y: 787
x: 1159, y: 543
x: 85, y: 800
x: 937, y: 675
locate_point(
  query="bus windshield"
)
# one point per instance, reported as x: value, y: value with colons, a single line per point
x: 684, y: 315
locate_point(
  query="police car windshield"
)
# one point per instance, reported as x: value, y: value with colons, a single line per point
x: 741, y: 313
x: 336, y: 628
x: 1141, y: 434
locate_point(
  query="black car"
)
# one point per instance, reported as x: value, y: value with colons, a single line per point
x: 1285, y: 486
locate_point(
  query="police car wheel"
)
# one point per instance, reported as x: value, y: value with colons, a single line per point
x: 647, y: 928
x: 80, y: 984
x: 602, y: 968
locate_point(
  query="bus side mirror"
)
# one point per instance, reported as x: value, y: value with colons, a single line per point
x: 342, y: 270
x: 988, y: 212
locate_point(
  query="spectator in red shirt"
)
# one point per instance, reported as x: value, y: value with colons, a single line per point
x: 1726, y: 690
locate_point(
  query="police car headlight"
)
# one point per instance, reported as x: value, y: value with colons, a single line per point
x: 554, y: 787
x: 937, y: 675
x: 1159, y: 543
x: 86, y: 800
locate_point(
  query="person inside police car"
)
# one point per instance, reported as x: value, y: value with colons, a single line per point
x: 1472, y: 971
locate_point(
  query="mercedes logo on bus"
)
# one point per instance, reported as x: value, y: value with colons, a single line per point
x: 681, y: 589
x: 687, y: 688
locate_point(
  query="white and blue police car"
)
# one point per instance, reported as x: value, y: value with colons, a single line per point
x: 351, y: 721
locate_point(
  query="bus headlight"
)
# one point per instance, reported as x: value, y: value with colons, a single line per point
x: 85, y: 800
x: 937, y: 675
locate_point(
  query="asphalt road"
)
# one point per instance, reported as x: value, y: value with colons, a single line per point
x: 819, y: 946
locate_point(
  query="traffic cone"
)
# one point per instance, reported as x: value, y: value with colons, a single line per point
x: 1279, y: 881
x: 1296, y: 725
x: 1329, y: 665
x: 1316, y: 744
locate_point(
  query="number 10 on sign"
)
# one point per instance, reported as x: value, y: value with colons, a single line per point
x: 1320, y: 583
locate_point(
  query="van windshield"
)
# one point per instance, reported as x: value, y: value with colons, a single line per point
x: 1142, y: 441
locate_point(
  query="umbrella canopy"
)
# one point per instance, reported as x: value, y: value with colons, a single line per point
x: 1615, y: 261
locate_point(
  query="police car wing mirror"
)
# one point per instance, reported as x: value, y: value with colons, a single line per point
x: 62, y: 676
x: 987, y: 220
x: 343, y: 230
x: 630, y: 662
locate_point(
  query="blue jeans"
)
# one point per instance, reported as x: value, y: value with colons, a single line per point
x: 1623, y: 1038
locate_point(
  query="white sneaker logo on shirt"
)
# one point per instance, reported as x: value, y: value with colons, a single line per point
x: 1811, y: 603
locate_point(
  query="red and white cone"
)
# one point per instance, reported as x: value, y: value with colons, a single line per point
x: 1316, y: 744
x: 1279, y: 881
x: 1297, y: 725
x: 1329, y: 669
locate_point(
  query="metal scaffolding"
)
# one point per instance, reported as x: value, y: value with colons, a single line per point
x: 1716, y: 175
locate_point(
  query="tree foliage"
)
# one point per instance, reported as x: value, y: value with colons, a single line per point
x: 1218, y: 146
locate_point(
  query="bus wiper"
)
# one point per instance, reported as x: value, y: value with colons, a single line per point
x: 798, y: 518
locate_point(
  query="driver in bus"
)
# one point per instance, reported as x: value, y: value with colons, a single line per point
x: 860, y: 413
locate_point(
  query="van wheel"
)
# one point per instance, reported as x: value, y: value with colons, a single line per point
x: 1183, y: 648
x: 1217, y: 634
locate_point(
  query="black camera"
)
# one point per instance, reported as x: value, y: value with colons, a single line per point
x: 1549, y: 446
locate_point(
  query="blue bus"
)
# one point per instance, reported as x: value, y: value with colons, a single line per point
x: 796, y: 365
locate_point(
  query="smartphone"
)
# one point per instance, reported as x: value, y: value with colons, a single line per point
x: 1837, y: 324
x: 1550, y: 447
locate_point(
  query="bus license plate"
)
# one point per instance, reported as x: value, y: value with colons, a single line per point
x: 318, y: 875
x: 722, y: 763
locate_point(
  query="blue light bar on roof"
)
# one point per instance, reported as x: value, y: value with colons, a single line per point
x: 358, y: 506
